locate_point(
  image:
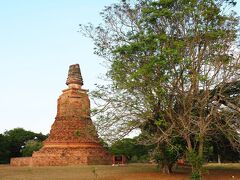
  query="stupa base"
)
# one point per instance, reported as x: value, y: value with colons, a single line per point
x: 65, y: 156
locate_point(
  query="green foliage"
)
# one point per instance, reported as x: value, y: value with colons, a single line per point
x: 30, y: 146
x: 77, y: 133
x: 196, y: 162
x: 17, y: 137
x: 4, y: 149
x: 133, y: 151
x: 12, y: 141
x: 134, y: 159
x: 104, y: 144
x: 220, y: 146
x: 196, y: 176
x: 169, y: 62
x: 167, y: 155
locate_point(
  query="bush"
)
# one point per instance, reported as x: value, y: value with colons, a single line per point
x: 30, y: 147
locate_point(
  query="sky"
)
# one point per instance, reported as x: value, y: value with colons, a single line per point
x: 38, y: 42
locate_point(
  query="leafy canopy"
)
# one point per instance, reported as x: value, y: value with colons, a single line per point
x: 174, y: 67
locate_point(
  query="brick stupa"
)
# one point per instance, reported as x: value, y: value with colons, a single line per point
x: 73, y: 139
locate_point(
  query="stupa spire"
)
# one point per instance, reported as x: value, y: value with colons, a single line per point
x: 74, y: 75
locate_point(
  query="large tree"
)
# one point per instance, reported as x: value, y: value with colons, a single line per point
x: 4, y: 149
x: 13, y: 141
x: 175, y: 71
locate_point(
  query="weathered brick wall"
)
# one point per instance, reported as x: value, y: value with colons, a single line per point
x: 64, y: 156
x: 21, y: 161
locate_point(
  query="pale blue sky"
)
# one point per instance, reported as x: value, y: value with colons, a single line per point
x: 38, y: 41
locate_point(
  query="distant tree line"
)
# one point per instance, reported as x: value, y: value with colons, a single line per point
x: 216, y: 151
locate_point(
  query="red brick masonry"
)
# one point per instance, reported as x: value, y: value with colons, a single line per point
x: 73, y: 138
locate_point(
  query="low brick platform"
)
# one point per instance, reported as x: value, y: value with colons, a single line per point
x: 64, y: 156
x: 21, y: 161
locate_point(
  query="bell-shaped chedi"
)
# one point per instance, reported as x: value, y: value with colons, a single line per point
x: 73, y: 138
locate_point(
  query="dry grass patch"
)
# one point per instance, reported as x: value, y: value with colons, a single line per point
x: 102, y: 172
x: 226, y: 166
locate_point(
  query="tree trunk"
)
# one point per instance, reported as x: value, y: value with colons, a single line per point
x: 170, y: 166
x: 200, y: 147
x: 219, y: 159
x: 167, y: 167
x: 189, y: 144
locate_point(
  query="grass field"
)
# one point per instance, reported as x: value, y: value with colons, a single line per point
x: 128, y: 172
